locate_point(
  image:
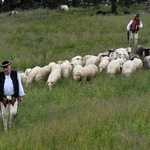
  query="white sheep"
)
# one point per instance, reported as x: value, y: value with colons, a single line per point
x: 129, y: 50
x: 123, y: 53
x: 128, y: 68
x: 113, y: 56
x: 23, y: 76
x: 86, y: 57
x: 92, y: 60
x: 27, y: 71
x: 77, y: 62
x: 85, y: 73
x: 32, y: 74
x: 51, y: 64
x: 146, y: 62
x: 63, y: 8
x: 138, y: 63
x: 66, y: 68
x: 75, y: 70
x: 78, y: 57
x: 43, y: 73
x: 104, y: 61
x: 54, y: 76
x: 114, y: 66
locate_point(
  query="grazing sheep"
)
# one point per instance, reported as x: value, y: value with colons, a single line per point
x: 128, y: 68
x: 54, y: 76
x: 76, y: 58
x: 138, y: 63
x: 113, y: 56
x: 66, y: 68
x: 43, y: 73
x: 51, y: 64
x: 123, y: 52
x: 85, y: 73
x: 12, y: 13
x: 63, y: 8
x: 146, y: 62
x: 142, y: 51
x: 76, y: 69
x: 129, y: 50
x: 102, y: 54
x: 23, y: 76
x: 32, y: 74
x: 27, y: 71
x: 103, y: 63
x: 86, y: 57
x: 92, y: 60
x: 114, y: 66
x: 107, y: 53
x: 77, y: 62
x: 146, y: 51
x: 133, y: 55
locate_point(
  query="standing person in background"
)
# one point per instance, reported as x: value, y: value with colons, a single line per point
x: 133, y: 29
x: 11, y: 92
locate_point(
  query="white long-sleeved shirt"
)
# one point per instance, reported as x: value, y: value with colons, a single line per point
x: 129, y: 24
x: 9, y: 87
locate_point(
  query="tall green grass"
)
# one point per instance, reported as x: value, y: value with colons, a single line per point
x: 105, y: 113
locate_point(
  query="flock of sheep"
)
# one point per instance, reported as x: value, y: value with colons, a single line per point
x: 119, y: 61
x: 61, y: 8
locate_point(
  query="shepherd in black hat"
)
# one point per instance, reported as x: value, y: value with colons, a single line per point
x: 133, y: 28
x: 137, y: 15
x: 5, y: 64
x: 11, y: 92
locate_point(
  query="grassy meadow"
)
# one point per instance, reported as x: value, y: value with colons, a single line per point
x: 103, y: 114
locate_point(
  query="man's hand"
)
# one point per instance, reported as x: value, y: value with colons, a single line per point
x: 20, y: 98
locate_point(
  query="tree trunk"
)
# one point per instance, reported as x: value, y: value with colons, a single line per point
x: 114, y: 6
x: 8, y: 5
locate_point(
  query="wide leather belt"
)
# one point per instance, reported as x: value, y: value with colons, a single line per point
x: 8, y: 97
x: 8, y: 100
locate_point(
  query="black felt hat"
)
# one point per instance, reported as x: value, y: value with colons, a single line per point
x: 5, y: 63
x: 136, y: 15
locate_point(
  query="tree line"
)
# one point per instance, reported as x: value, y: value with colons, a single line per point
x: 9, y: 5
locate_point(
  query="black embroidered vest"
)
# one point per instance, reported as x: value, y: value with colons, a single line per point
x: 14, y: 78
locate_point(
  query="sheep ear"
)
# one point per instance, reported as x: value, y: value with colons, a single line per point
x: 111, y: 54
x: 79, y: 74
x: 72, y: 65
x: 100, y: 57
x: 59, y: 62
x: 117, y: 54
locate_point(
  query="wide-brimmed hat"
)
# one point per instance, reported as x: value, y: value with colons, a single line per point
x: 136, y: 15
x: 5, y: 63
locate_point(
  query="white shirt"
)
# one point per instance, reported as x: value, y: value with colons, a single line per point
x: 9, y: 87
x: 129, y: 24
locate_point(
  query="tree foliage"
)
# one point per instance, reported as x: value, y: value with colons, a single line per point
x: 27, y: 4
